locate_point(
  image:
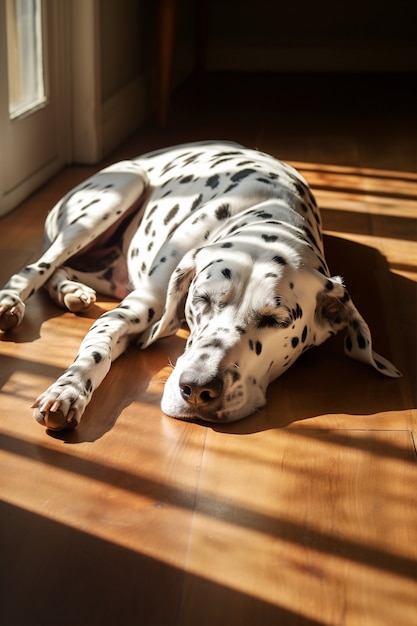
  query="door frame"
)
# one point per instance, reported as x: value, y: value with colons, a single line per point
x: 57, y: 43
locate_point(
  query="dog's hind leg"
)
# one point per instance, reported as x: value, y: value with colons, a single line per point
x: 83, y: 215
x: 70, y: 294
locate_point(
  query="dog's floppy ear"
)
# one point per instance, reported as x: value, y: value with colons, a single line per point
x: 335, y: 310
x: 174, y: 306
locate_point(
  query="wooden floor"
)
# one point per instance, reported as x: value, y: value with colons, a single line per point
x: 304, y: 513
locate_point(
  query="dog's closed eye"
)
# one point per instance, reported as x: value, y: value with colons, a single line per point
x: 272, y: 321
x: 202, y: 297
x: 211, y: 301
x: 267, y: 321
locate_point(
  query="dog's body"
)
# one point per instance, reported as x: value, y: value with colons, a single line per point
x: 228, y: 237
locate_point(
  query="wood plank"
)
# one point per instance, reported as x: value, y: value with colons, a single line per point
x: 306, y: 526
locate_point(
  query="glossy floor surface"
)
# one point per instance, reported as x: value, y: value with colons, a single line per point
x: 302, y: 514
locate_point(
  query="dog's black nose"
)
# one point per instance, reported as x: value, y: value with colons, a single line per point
x: 197, y: 392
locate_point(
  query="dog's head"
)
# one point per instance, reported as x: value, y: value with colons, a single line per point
x: 249, y: 320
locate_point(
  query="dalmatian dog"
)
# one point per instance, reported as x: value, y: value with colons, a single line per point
x: 225, y: 237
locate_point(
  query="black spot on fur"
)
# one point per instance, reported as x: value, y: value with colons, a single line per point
x: 304, y: 334
x: 297, y: 312
x: 361, y: 341
x: 148, y: 227
x: 242, y: 174
x: 222, y: 212
x: 310, y: 236
x: 151, y: 211
x: 255, y: 347
x: 97, y: 357
x: 227, y: 273
x: 171, y: 214
x: 197, y: 202
x: 269, y: 238
x: 186, y: 179
x: 236, y: 227
x: 192, y: 158
x: 227, y: 244
x: 294, y: 342
x: 214, y: 343
x: 213, y: 181
x: 300, y: 189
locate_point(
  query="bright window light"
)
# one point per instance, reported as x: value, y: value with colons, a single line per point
x: 24, y: 56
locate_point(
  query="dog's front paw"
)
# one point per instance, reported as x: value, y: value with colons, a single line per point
x: 61, y: 406
x: 12, y: 309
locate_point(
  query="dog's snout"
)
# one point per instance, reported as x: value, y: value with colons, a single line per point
x: 197, y: 392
